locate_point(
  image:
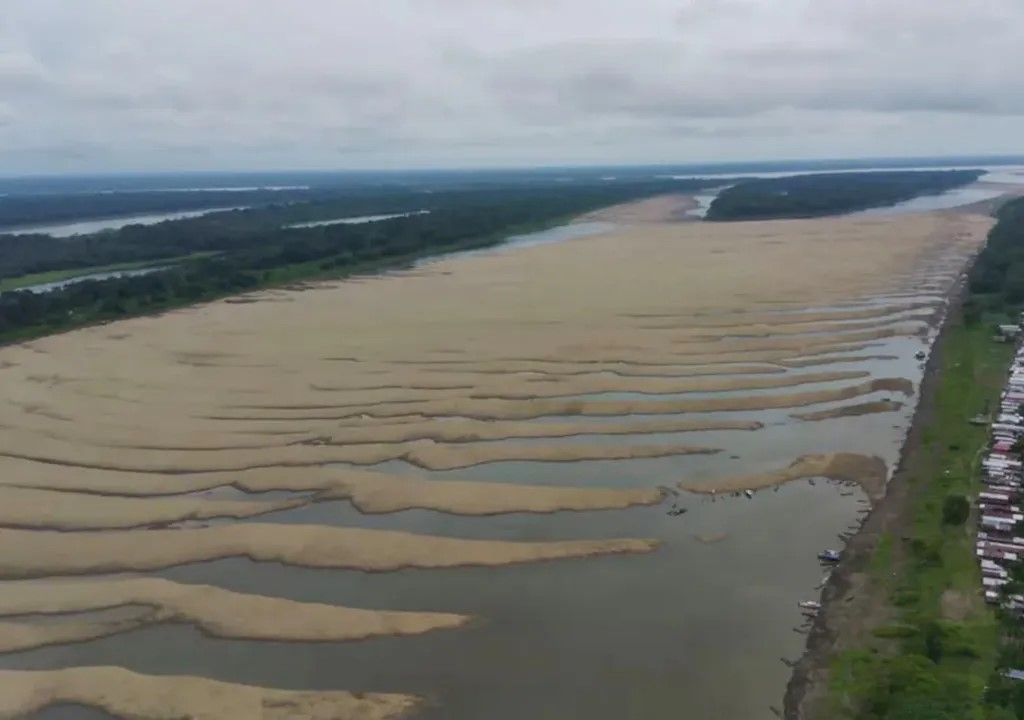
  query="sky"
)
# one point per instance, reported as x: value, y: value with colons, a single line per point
x: 150, y: 85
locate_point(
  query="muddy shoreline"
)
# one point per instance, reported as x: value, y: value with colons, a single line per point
x: 847, y: 600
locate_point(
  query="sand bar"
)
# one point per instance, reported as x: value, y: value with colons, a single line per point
x: 33, y: 508
x: 127, y: 694
x: 31, y: 554
x: 370, y: 492
x: 215, y: 611
x: 869, y: 472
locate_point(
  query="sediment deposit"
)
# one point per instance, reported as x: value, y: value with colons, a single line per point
x: 113, y: 434
x: 146, y: 697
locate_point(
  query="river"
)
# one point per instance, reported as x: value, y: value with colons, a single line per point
x: 697, y: 629
x: 59, y: 284
x: 86, y: 227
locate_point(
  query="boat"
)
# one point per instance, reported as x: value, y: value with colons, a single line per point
x: 810, y: 605
x: 829, y: 555
x: 748, y: 493
x: 920, y: 354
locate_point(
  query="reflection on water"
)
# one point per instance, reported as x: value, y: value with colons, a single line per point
x: 360, y: 220
x: 704, y: 201
x: 85, y: 227
x: 59, y: 284
x: 944, y: 201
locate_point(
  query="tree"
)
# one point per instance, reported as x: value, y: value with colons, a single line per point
x: 955, y: 510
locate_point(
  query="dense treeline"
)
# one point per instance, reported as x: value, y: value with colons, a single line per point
x: 265, y: 226
x: 934, y: 662
x: 996, y: 280
x: 251, y: 256
x: 805, y: 196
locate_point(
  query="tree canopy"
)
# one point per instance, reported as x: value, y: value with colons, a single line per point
x: 805, y: 196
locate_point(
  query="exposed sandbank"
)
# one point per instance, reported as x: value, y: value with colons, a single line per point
x: 518, y: 388
x: 215, y: 611
x: 659, y: 209
x: 867, y: 471
x: 370, y: 492
x: 398, y: 430
x: 522, y: 410
x: 127, y: 694
x: 28, y: 508
x: 30, y: 554
x: 867, y: 408
x: 432, y: 367
x: 423, y: 453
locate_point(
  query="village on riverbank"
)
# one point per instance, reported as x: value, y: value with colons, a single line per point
x: 1000, y: 544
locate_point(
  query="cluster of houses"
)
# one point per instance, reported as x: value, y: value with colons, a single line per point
x: 999, y: 543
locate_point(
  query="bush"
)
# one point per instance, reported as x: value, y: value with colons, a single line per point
x: 955, y: 510
x: 895, y: 631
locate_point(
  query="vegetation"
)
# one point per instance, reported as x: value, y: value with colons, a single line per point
x: 955, y: 510
x: 804, y: 196
x: 265, y: 227
x: 996, y: 280
x: 245, y: 250
x: 934, y: 658
x: 940, y: 656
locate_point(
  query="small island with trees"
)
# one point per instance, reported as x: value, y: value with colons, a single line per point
x: 817, y: 195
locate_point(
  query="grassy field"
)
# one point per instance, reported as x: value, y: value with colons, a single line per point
x: 16, y: 283
x: 937, y: 648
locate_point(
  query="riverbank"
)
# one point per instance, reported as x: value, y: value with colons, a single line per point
x: 903, y: 571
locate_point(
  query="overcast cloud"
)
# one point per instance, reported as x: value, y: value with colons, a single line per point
x: 88, y: 85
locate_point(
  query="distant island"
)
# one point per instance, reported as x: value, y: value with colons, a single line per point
x: 807, y: 196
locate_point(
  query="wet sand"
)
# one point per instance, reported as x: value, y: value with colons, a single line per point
x: 410, y: 447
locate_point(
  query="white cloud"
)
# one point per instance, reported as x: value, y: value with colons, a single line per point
x: 151, y: 84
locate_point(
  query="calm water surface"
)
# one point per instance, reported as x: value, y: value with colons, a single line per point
x: 85, y: 227
x: 359, y: 220
x: 59, y: 284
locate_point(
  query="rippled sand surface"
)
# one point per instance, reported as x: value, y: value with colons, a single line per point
x: 148, y: 444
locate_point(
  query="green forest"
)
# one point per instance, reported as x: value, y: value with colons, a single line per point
x: 807, y: 196
x: 242, y: 250
x: 996, y: 280
x: 926, y: 663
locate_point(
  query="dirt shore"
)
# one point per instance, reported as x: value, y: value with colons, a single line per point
x: 849, y: 603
